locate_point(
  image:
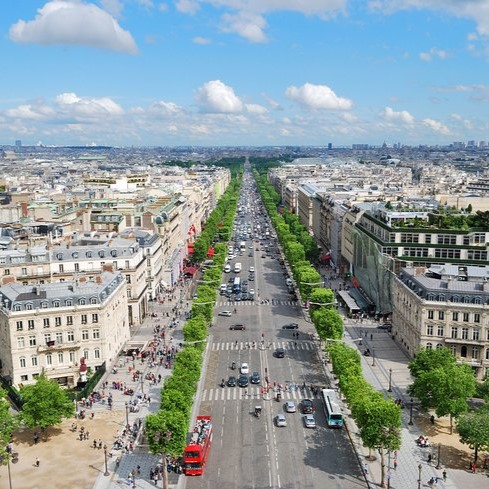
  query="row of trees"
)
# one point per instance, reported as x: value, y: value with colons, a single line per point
x: 378, y: 419
x: 168, y: 428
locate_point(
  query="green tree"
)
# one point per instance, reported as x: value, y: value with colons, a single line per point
x: 328, y: 323
x: 429, y: 359
x: 379, y: 421
x: 446, y: 389
x: 8, y: 423
x: 473, y: 429
x: 46, y: 403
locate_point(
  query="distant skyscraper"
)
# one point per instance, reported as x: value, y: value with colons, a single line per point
x: 18, y: 143
x: 330, y: 145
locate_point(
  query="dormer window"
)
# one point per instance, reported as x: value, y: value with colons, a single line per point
x: 93, y: 300
x: 101, y: 253
x: 89, y: 254
x: 113, y: 252
x: 55, y: 303
x: 59, y: 256
x: 17, y: 307
x: 44, y: 305
x: 82, y: 302
x: 75, y: 254
x: 28, y: 306
x: 68, y: 302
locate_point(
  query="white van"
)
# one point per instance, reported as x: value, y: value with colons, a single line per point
x: 227, y: 268
x: 223, y: 289
x: 237, y: 267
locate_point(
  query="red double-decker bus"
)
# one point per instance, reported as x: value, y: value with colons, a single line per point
x: 196, y: 452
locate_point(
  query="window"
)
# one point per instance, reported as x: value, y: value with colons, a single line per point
x: 77, y: 267
x: 477, y: 318
x: 438, y: 346
x: 475, y: 335
x: 24, y: 378
x: 93, y: 300
x: 34, y: 361
x: 17, y: 307
x: 454, y: 333
x: 479, y: 237
x: 429, y: 346
x: 85, y: 354
x: 463, y: 351
x: 45, y: 322
x: 57, y: 321
x: 24, y: 271
x: 72, y: 357
x: 441, y: 315
x: 96, y: 334
x: 32, y: 341
x: 47, y: 337
x: 28, y: 307
x: 85, y: 334
x: 84, y: 319
x: 69, y: 320
x: 466, y: 317
x: 71, y: 336
x: 20, y: 326
x: 20, y: 342
x: 447, y: 239
x: 44, y: 305
x: 447, y: 253
x: 60, y: 359
x: 82, y: 302
x: 441, y: 330
x: 128, y: 279
x: 49, y: 359
x: 94, y: 318
x: 427, y: 238
x: 453, y: 349
x: 96, y: 353
x: 68, y: 302
x: 129, y: 293
x: 429, y: 330
x: 30, y: 324
x: 465, y: 333
x: 59, y: 338
x: 6, y: 271
x: 454, y: 316
x: 55, y: 303
x: 22, y: 362
x: 431, y: 314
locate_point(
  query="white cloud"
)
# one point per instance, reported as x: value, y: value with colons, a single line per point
x: 162, y: 7
x: 433, y: 53
x: 216, y: 97
x: 402, y: 116
x: 75, y: 106
x: 476, y: 10
x: 317, y: 97
x: 165, y: 108
x: 33, y: 112
x: 187, y: 6
x: 201, y: 40
x: 256, y: 109
x: 436, y: 126
x: 246, y: 24
x: 113, y: 7
x: 67, y: 23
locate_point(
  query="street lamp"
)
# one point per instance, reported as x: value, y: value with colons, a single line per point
x: 106, y: 473
x: 390, y: 381
x: 420, y: 467
x: 410, y: 412
x: 438, y: 461
x: 127, y: 413
x: 373, y: 357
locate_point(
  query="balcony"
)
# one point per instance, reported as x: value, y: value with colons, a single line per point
x: 460, y: 341
x: 53, y: 346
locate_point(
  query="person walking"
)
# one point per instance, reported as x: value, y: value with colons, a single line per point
x: 365, y: 468
x: 38, y: 463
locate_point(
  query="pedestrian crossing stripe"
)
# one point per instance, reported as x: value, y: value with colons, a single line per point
x: 250, y: 393
x: 248, y: 345
x: 257, y: 303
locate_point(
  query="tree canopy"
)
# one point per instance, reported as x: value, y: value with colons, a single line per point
x: 473, y: 429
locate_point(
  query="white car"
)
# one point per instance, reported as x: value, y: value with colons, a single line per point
x: 252, y: 269
x: 280, y: 421
x: 244, y: 369
x: 227, y: 268
x: 309, y: 421
x: 289, y: 407
x: 226, y: 313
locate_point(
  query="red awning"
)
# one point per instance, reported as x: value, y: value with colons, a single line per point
x: 211, y: 251
x: 190, y: 248
x: 189, y: 270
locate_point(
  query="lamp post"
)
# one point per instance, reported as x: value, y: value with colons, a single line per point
x: 438, y: 461
x: 420, y: 467
x: 390, y: 381
x: 410, y: 412
x: 127, y: 413
x: 106, y: 473
x: 8, y: 468
x: 373, y: 357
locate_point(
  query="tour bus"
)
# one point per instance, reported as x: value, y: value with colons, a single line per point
x: 196, y: 452
x: 237, y: 285
x: 334, y: 416
x: 237, y: 267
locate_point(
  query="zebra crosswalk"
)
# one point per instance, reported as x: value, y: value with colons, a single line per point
x: 257, y: 303
x: 254, y: 392
x: 244, y: 345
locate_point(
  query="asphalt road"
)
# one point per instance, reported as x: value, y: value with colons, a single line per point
x: 251, y: 452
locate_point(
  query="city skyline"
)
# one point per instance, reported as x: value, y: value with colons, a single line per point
x: 235, y: 72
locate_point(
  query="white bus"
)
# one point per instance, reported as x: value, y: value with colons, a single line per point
x: 237, y: 285
x: 334, y: 416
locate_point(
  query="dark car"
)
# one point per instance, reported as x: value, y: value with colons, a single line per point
x: 232, y: 381
x: 290, y: 326
x: 280, y: 353
x: 255, y: 378
x: 237, y: 297
x: 238, y: 327
x: 306, y: 406
x: 243, y: 380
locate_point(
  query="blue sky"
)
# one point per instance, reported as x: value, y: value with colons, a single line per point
x: 244, y: 72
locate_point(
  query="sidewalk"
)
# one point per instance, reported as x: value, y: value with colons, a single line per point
x: 121, y: 464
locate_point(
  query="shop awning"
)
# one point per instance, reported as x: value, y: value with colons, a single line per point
x: 189, y: 270
x: 190, y: 248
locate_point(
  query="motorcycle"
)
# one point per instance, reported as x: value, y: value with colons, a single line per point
x: 233, y: 366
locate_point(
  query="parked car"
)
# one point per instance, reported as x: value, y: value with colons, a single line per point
x: 280, y: 420
x: 255, y: 378
x: 243, y: 380
x: 225, y: 313
x: 244, y: 369
x: 290, y: 326
x: 237, y: 327
x: 232, y: 381
x: 280, y: 353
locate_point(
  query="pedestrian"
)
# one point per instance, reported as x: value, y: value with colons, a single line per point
x: 37, y: 462
x: 395, y: 464
x: 474, y: 468
x: 432, y: 419
x: 365, y: 468
x: 444, y: 474
x: 371, y: 337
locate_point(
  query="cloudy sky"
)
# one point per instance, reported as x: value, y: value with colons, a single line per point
x: 244, y: 72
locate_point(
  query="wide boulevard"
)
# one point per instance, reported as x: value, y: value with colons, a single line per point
x: 250, y: 451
